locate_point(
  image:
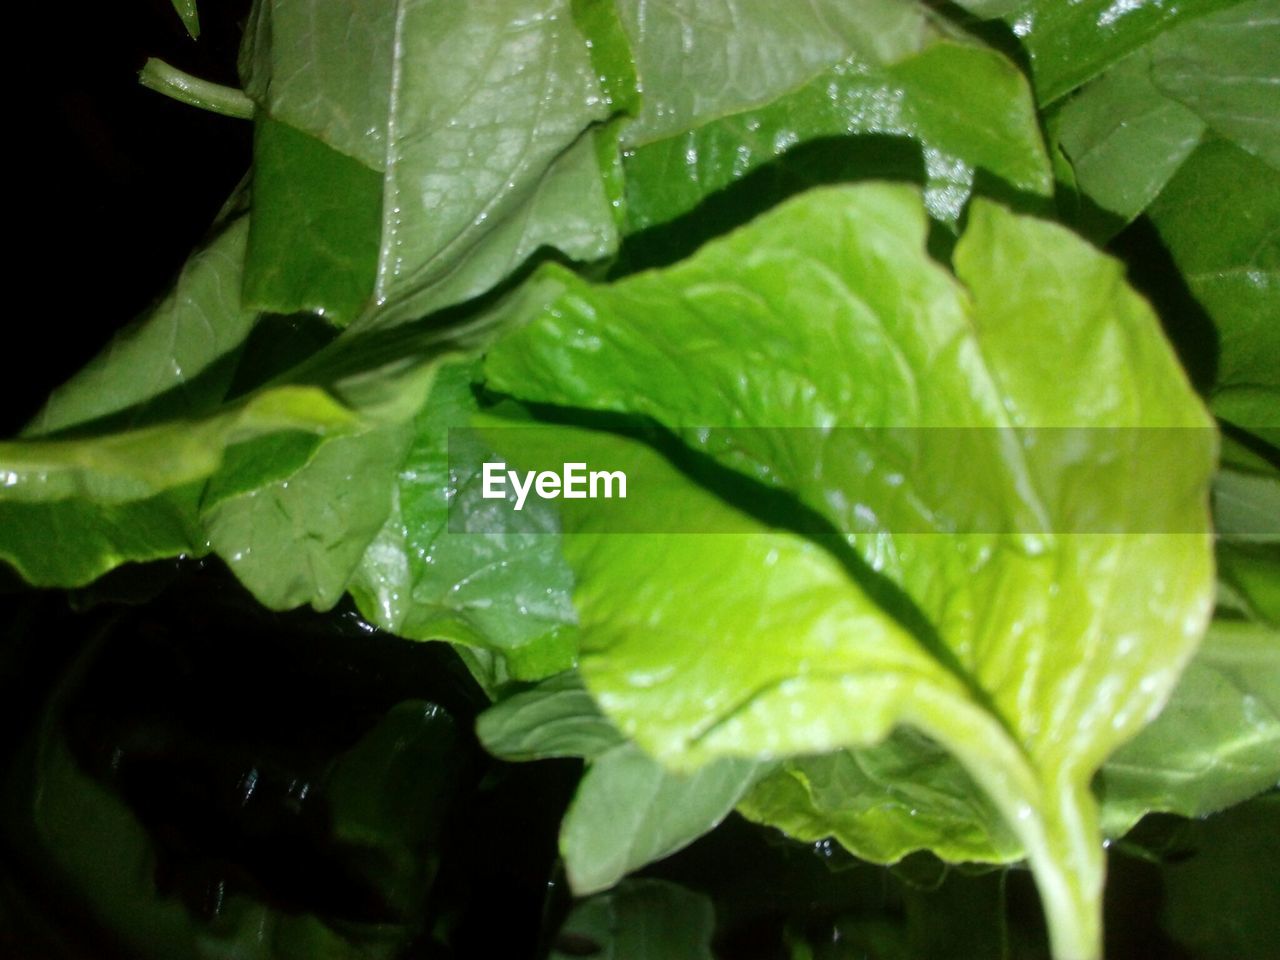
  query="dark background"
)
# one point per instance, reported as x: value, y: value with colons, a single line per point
x: 114, y: 184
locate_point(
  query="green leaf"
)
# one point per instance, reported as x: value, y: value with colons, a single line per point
x: 1071, y: 43
x: 298, y: 540
x: 313, y: 239
x: 885, y: 802
x: 640, y: 920
x: 325, y: 74
x: 448, y: 564
x: 1225, y: 67
x: 190, y: 16
x: 827, y: 313
x: 557, y: 718
x: 481, y: 165
x: 965, y: 106
x: 1217, y: 742
x: 107, y: 481
x: 1125, y: 139
x: 697, y: 63
x: 105, y: 535
x: 178, y: 360
x: 1129, y: 131
x: 1250, y: 573
x: 133, y: 465
x: 630, y: 810
x: 1246, y: 500
x: 391, y: 792
x: 1220, y: 218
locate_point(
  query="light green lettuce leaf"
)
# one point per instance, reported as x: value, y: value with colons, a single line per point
x: 1013, y: 650
x: 885, y: 802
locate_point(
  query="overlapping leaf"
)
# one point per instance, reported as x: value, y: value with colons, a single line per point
x: 838, y: 319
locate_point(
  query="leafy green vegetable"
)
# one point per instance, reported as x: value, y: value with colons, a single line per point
x: 885, y: 802
x: 425, y: 578
x: 1223, y: 66
x: 480, y: 166
x: 924, y: 523
x: 630, y: 811
x: 1125, y: 139
x: 1129, y: 131
x: 557, y: 718
x: 173, y: 362
x: 1009, y: 675
x: 917, y: 98
x: 313, y: 241
x: 1070, y: 43
x: 1220, y: 217
x: 1215, y: 744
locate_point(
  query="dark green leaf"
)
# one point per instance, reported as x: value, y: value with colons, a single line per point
x: 1070, y: 43
x: 640, y: 920
x: 1220, y: 218
x: 314, y: 230
x: 919, y: 98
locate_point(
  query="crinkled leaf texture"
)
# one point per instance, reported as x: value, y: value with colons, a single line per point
x: 1030, y: 655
